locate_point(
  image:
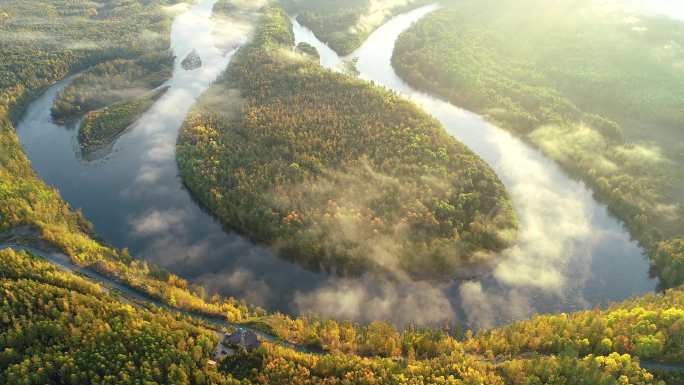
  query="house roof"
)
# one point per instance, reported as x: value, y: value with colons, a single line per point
x: 247, y: 339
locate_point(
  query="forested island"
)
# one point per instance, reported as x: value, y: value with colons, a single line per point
x: 110, y: 96
x: 345, y: 25
x: 100, y: 128
x: 335, y: 173
x: 589, y: 100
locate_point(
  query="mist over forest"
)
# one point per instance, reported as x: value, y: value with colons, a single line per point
x: 326, y: 192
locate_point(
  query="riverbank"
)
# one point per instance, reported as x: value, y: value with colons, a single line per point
x: 440, y: 353
x: 604, y: 114
x: 137, y: 296
x: 473, y: 349
x: 567, y: 254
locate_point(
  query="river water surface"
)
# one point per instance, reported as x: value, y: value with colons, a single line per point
x: 134, y: 196
x: 571, y: 255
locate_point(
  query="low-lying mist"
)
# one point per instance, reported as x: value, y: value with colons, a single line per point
x: 570, y: 253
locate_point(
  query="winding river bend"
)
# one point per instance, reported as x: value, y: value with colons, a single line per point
x: 134, y: 196
x: 572, y: 253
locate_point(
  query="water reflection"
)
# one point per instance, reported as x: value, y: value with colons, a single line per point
x: 136, y: 199
x: 571, y: 253
x: 329, y: 58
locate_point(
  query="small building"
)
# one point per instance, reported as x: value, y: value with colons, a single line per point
x: 221, y: 352
x: 245, y: 339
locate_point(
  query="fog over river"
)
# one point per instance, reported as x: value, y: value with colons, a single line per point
x: 572, y: 254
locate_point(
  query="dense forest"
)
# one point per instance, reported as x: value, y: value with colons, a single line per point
x: 34, y: 56
x: 344, y: 26
x: 291, y: 157
x: 100, y: 128
x: 59, y: 328
x: 605, y: 103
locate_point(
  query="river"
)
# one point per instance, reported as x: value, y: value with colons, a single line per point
x: 134, y: 195
x: 572, y: 254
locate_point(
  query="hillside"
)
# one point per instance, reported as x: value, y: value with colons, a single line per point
x: 34, y: 213
x: 60, y: 328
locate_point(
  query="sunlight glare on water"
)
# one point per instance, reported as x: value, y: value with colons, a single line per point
x: 571, y: 253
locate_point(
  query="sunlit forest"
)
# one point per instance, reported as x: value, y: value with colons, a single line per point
x: 309, y: 180
x: 57, y: 325
x: 573, y: 86
x: 333, y: 156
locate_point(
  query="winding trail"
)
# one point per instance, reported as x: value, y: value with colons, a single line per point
x: 572, y: 254
x: 664, y: 367
x: 136, y: 297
